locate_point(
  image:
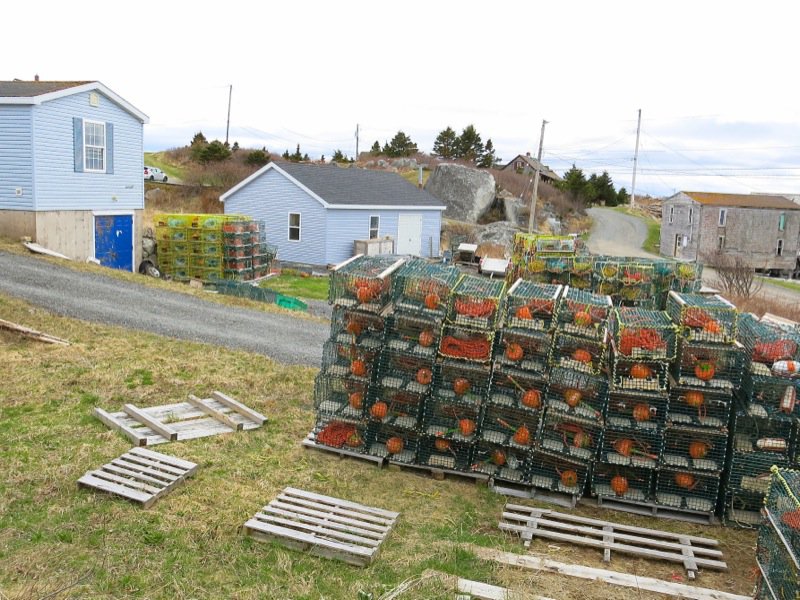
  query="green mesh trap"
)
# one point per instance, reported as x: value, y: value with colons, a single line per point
x: 693, y: 407
x: 397, y: 444
x: 363, y: 329
x: 556, y: 473
x: 749, y: 474
x: 774, y: 435
x: 463, y: 382
x: 349, y: 360
x: 636, y: 411
x: 466, y: 344
x: 570, y: 436
x: 687, y: 277
x: 413, y: 335
x: 340, y: 397
x: 404, y: 408
x: 619, y: 482
x: 783, y: 505
x: 587, y: 355
x: 710, y: 319
x: 583, y: 313
x: 524, y: 349
x: 742, y: 508
x: 778, y: 561
x: 452, y: 419
x: 364, y: 282
x: 403, y: 372
x: 510, y: 427
x: 443, y: 453
x: 685, y: 489
x: 476, y: 302
x: 641, y: 334
x: 531, y: 305
x: 626, y: 449
x: 502, y: 463
x: 709, y: 365
x: 347, y: 434
x: 695, y: 449
x: 767, y: 343
x: 577, y: 394
x: 424, y: 288
x: 774, y: 395
x: 635, y: 375
x: 513, y: 388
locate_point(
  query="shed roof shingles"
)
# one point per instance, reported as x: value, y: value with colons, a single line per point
x: 743, y: 200
x: 30, y: 89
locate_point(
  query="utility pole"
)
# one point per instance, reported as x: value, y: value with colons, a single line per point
x: 356, y: 157
x: 636, y: 160
x: 228, y: 126
x: 536, y: 179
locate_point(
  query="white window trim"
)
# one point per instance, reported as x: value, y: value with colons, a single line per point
x: 377, y: 229
x: 723, y: 217
x: 289, y: 227
x: 87, y: 146
x: 782, y: 222
x: 779, y: 248
x: 671, y: 214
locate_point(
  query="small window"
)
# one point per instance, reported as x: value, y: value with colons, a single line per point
x: 723, y: 216
x: 779, y: 248
x: 94, y: 146
x: 374, y: 226
x: 294, y: 227
x: 671, y: 213
x: 720, y: 242
x: 782, y: 222
x: 691, y: 214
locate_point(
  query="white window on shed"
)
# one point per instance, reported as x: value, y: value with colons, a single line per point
x: 671, y: 213
x: 782, y: 222
x: 723, y: 216
x: 374, y: 226
x: 294, y: 227
x: 779, y: 248
x: 94, y: 146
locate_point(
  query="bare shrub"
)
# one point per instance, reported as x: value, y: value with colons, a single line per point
x: 737, y: 277
x: 759, y: 304
x: 224, y: 174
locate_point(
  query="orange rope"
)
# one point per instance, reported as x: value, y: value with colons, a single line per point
x: 475, y: 308
x: 474, y: 349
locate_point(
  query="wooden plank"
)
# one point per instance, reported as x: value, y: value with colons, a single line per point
x: 361, y: 523
x: 346, y: 262
x: 239, y: 407
x: 133, y: 462
x: 271, y: 510
x: 328, y: 533
x: 290, y: 491
x: 112, y: 467
x: 608, y: 540
x: 164, y: 458
x: 91, y: 481
x: 32, y: 333
x: 162, y: 429
x: 612, y: 577
x: 212, y: 412
x: 340, y: 550
x: 689, y: 563
x: 374, y: 520
x: 110, y: 421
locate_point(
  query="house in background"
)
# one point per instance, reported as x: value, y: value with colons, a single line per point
x: 527, y: 165
x: 315, y: 213
x: 71, y: 160
x: 763, y: 230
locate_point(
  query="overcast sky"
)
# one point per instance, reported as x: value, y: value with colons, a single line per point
x: 717, y: 82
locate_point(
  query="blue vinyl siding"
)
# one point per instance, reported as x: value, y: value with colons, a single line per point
x: 16, y: 157
x: 58, y: 185
x: 271, y: 197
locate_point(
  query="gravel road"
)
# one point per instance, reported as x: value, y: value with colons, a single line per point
x: 616, y: 234
x: 95, y: 297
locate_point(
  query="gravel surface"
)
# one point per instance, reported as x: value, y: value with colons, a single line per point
x: 95, y: 297
x: 616, y: 234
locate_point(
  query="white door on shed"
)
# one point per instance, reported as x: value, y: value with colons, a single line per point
x: 409, y: 234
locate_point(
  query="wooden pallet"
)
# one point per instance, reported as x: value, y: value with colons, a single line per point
x: 140, y: 475
x: 440, y: 473
x: 651, y: 509
x: 694, y: 552
x: 530, y: 492
x: 323, y: 526
x: 194, y: 418
x: 310, y: 442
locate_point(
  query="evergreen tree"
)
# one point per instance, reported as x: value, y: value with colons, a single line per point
x: 446, y: 143
x: 573, y: 183
x: 470, y: 146
x: 216, y: 151
x: 401, y: 145
x: 339, y: 157
x: 376, y: 148
x: 257, y: 158
x: 488, y: 160
x: 623, y: 197
x: 235, y: 147
x: 286, y: 155
x: 198, y: 146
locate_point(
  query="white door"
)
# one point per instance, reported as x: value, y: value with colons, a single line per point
x: 409, y: 234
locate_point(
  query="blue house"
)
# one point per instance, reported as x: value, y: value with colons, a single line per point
x: 71, y: 161
x: 314, y: 213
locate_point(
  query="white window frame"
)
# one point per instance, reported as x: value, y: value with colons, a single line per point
x: 299, y: 227
x: 720, y: 242
x: 723, y: 217
x: 377, y: 228
x: 671, y: 214
x: 782, y: 222
x: 779, y: 247
x: 87, y: 147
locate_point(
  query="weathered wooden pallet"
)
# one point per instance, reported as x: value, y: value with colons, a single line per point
x: 530, y: 492
x: 310, y: 442
x: 194, y: 418
x: 140, y: 475
x: 439, y: 473
x: 694, y: 552
x: 323, y: 526
x: 653, y: 510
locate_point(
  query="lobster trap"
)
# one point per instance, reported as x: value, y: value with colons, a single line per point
x: 767, y: 343
x: 643, y: 335
x: 413, y: 335
x: 523, y: 349
x: 779, y: 565
x: 340, y: 397
x: 512, y: 388
x: 465, y: 383
x: 509, y: 427
x: 583, y: 313
x: 466, y: 344
x: 704, y: 319
x: 694, y: 449
x: 351, y: 435
x: 626, y: 449
x: 556, y: 473
x: 570, y: 436
x: 687, y: 490
x: 401, y: 372
x: 349, y: 326
x: 692, y: 407
x: 687, y: 277
x: 636, y: 411
x: 783, y: 506
x: 773, y: 435
x: 452, y: 420
x: 395, y: 443
x: 577, y: 394
x: 710, y: 366
x: 558, y: 269
x: 531, y: 305
x: 364, y: 282
x: 743, y: 508
x: 349, y: 360
x: 587, y: 355
x: 750, y: 475
x: 622, y: 483
x: 422, y: 288
x: 476, y: 302
x: 443, y: 453
x: 399, y: 408
x: 776, y: 396
x: 639, y: 376
x: 507, y: 463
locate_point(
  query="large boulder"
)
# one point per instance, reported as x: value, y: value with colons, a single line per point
x: 499, y: 235
x: 467, y: 193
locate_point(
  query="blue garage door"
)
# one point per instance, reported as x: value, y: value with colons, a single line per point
x: 113, y: 241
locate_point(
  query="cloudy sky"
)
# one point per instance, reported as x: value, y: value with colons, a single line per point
x: 717, y: 82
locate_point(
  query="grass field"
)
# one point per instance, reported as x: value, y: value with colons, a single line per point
x: 314, y: 288
x: 158, y: 160
x: 189, y: 544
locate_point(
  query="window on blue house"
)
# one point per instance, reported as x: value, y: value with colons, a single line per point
x: 294, y: 227
x: 94, y: 146
x: 374, y: 226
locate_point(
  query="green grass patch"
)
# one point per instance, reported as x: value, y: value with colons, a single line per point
x: 160, y: 161
x: 789, y: 285
x: 299, y: 286
x: 652, y: 242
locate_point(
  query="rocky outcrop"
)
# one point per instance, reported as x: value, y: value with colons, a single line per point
x: 467, y: 193
x: 499, y: 234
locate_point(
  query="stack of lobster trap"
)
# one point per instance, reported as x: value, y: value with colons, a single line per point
x: 705, y: 375
x: 764, y: 424
x: 778, y: 547
x: 628, y: 281
x: 643, y: 343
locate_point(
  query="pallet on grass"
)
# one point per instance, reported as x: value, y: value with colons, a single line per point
x: 652, y: 509
x: 140, y: 475
x: 323, y: 526
x: 311, y: 442
x: 693, y: 552
x: 194, y: 418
